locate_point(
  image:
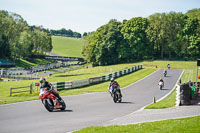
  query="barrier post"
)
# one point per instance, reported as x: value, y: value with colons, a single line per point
x: 10, y: 91
x: 31, y: 88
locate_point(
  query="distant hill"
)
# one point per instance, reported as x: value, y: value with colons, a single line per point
x: 67, y: 46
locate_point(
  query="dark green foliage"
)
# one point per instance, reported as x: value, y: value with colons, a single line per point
x: 161, y: 35
x: 103, y: 44
x: 18, y: 40
x: 135, y: 40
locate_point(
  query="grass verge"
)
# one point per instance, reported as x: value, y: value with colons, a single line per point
x: 32, y: 62
x: 185, y: 125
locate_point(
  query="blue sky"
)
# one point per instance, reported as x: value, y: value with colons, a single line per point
x: 88, y: 15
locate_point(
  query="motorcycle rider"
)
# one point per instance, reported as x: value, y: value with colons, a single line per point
x: 45, y: 84
x: 168, y: 66
x: 165, y: 72
x: 115, y: 84
x: 161, y: 80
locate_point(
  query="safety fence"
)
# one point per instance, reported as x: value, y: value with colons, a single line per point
x: 85, y: 82
x: 21, y: 89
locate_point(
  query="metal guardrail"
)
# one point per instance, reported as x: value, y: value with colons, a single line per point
x: 84, y: 82
x: 94, y: 80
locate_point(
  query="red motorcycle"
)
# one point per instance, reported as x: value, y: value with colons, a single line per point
x: 50, y: 101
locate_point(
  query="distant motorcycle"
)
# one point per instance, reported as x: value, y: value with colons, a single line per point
x: 116, y: 95
x: 50, y: 101
x: 165, y: 73
x: 160, y: 85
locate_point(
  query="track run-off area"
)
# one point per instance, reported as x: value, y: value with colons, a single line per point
x: 91, y: 109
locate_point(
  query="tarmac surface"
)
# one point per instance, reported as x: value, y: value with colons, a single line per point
x: 95, y: 109
x: 150, y: 115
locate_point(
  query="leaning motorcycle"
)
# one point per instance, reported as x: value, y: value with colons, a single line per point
x: 165, y: 73
x: 116, y: 95
x: 50, y: 101
x: 160, y: 85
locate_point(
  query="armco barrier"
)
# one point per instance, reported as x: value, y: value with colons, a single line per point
x: 79, y: 83
x: 62, y: 85
x: 95, y: 80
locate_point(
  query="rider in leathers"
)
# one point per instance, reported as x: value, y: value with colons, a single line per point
x: 45, y: 84
x: 115, y: 84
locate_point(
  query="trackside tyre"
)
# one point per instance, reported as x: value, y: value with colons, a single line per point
x: 48, y: 106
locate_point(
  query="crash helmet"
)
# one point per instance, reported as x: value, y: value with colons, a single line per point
x: 112, y: 79
x: 42, y: 79
x: 160, y: 78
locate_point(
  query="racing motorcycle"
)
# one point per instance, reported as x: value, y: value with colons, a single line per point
x: 160, y: 85
x: 165, y: 73
x: 116, y: 95
x: 50, y: 101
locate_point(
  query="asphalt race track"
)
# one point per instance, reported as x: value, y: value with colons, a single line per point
x: 93, y: 109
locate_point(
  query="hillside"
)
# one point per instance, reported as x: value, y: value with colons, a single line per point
x: 66, y: 46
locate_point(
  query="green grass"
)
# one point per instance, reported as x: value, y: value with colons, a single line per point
x: 173, y: 64
x: 66, y: 46
x: 185, y: 125
x: 32, y: 62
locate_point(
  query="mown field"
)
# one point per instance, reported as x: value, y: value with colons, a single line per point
x: 67, y: 46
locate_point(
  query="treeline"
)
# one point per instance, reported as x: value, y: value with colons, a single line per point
x: 19, y: 40
x: 160, y: 36
x: 64, y: 32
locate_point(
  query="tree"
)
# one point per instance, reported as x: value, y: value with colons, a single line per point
x: 85, y: 34
x: 135, y: 44
x: 102, y: 45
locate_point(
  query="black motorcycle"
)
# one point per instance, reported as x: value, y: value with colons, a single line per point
x: 165, y: 73
x: 116, y: 95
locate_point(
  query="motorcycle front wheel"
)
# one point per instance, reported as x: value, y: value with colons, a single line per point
x: 48, y: 105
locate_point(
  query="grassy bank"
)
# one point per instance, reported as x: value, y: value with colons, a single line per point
x: 185, y: 125
x: 67, y: 46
